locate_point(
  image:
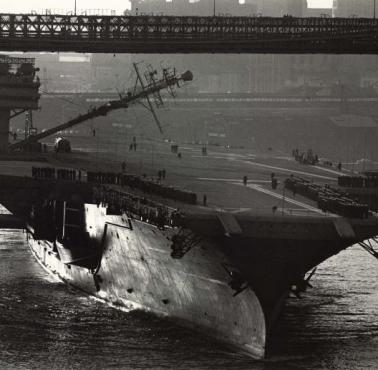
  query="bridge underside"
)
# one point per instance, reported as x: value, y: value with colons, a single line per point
x: 343, y: 46
x: 171, y: 34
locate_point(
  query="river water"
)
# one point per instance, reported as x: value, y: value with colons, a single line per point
x: 45, y: 324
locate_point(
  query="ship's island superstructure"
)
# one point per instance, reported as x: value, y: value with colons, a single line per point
x: 141, y: 243
x: 18, y: 91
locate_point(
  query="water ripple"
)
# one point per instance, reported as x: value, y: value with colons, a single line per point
x: 45, y: 324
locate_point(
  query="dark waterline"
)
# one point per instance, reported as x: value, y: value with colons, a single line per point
x: 44, y: 324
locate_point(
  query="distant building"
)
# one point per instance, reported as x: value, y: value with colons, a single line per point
x: 267, y: 8
x: 278, y: 8
x: 319, y: 12
x: 267, y: 73
x: 353, y: 8
x: 296, y: 8
x: 193, y: 7
x: 271, y: 8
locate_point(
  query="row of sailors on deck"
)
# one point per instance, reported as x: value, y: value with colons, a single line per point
x: 327, y: 198
x: 305, y: 157
x: 358, y: 181
x: 52, y: 173
x: 142, y: 208
x: 144, y: 184
x: 105, y: 177
x: 71, y: 175
x: 43, y: 172
x: 120, y: 179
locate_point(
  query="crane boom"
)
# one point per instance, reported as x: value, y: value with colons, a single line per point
x: 104, y: 109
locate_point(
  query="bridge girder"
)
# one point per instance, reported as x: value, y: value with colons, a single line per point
x: 171, y: 34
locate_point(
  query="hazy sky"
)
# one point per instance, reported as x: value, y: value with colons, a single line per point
x: 319, y: 3
x: 118, y: 5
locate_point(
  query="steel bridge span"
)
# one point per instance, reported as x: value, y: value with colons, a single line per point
x: 172, y: 34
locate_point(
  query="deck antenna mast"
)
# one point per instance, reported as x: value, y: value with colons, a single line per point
x: 151, y: 82
x: 152, y: 88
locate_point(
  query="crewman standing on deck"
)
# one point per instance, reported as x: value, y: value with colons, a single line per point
x: 274, y: 181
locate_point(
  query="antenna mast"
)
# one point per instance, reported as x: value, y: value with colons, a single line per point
x: 153, y: 88
x: 152, y: 83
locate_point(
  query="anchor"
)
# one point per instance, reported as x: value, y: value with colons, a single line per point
x: 237, y: 283
x: 302, y: 284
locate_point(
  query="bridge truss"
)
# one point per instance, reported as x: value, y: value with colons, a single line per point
x: 172, y: 34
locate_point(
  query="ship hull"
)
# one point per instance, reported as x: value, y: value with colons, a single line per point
x: 136, y: 271
x: 224, y: 274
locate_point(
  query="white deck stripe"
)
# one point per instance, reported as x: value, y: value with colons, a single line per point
x: 289, y: 170
x: 338, y: 173
x: 231, y: 180
x: 281, y: 197
x: 247, y: 160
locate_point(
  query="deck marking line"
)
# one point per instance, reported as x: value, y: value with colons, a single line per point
x: 329, y: 170
x: 281, y: 197
x: 292, y: 171
x: 231, y: 180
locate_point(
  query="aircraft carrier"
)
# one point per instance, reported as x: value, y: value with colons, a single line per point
x: 216, y: 241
